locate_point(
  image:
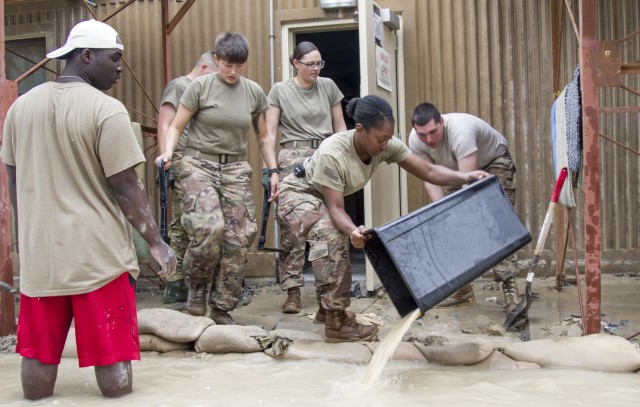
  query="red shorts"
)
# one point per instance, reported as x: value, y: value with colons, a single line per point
x: 105, y: 320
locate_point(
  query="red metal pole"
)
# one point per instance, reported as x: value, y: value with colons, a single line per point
x: 8, y: 93
x: 588, y: 48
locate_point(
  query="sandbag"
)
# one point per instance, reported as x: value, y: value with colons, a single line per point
x: 456, y: 352
x: 499, y: 361
x: 346, y: 352
x: 296, y: 335
x: 404, y: 351
x: 172, y: 325
x: 230, y: 338
x: 257, y: 357
x: 594, y: 352
x: 151, y: 342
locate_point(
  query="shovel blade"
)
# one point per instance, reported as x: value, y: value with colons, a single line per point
x: 521, y: 310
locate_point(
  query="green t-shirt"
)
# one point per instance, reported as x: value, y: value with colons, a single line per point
x: 305, y: 113
x: 336, y: 164
x: 222, y: 113
x: 65, y: 140
x: 171, y: 95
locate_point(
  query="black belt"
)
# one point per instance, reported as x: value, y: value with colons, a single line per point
x: 301, y: 143
x: 218, y: 158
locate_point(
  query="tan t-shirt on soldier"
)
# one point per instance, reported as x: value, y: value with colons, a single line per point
x: 305, y: 113
x: 80, y: 240
x: 463, y: 134
x: 336, y: 164
x: 223, y: 113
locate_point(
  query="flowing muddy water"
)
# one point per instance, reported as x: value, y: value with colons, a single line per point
x: 262, y: 381
x: 388, y: 346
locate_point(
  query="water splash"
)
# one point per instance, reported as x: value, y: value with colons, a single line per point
x: 388, y: 346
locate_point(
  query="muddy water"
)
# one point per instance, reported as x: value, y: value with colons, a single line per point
x: 178, y: 381
x: 388, y: 346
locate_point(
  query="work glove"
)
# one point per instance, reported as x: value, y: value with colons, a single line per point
x: 265, y: 180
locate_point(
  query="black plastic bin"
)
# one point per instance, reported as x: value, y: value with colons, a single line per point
x: 425, y: 256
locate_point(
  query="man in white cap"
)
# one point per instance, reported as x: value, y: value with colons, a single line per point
x: 71, y: 154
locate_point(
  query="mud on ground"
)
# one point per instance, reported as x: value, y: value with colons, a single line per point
x: 553, y: 313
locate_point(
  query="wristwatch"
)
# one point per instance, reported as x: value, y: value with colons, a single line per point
x: 272, y: 171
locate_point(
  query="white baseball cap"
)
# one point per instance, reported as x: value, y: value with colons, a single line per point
x: 89, y: 34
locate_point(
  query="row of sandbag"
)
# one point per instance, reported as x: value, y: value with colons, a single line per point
x: 165, y: 330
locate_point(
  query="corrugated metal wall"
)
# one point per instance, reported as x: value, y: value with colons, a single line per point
x: 140, y: 27
x: 620, y: 168
x: 491, y: 58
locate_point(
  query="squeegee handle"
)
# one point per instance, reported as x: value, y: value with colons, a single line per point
x: 556, y: 191
x: 548, y: 218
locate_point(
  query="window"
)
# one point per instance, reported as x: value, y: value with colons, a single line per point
x: 22, y: 55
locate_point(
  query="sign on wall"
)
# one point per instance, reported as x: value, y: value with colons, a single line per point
x: 383, y: 68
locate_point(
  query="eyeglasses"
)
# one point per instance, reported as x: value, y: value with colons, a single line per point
x: 315, y: 64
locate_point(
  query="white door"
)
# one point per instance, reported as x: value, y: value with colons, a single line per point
x: 381, y: 73
x: 385, y: 197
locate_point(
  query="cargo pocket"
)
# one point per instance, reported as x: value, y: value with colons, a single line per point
x: 188, y: 208
x: 318, y: 250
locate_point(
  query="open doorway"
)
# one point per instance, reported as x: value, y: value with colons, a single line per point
x: 341, y: 52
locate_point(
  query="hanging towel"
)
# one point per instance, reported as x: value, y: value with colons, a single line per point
x: 566, y: 137
x: 573, y: 112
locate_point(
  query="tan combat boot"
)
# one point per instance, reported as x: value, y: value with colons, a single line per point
x: 463, y: 296
x: 197, y: 300
x: 221, y: 317
x: 339, y: 328
x: 321, y: 315
x: 292, y: 305
x: 511, y: 294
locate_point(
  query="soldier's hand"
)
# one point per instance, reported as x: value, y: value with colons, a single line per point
x: 165, y: 257
x: 358, y: 239
x: 475, y: 176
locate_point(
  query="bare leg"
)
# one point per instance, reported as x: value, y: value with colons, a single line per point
x: 115, y: 380
x: 38, y: 379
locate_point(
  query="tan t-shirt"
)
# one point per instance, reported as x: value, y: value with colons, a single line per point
x: 222, y: 113
x: 65, y: 140
x: 464, y: 134
x: 305, y: 113
x: 171, y: 95
x: 336, y: 164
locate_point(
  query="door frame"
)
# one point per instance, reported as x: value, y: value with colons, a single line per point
x: 288, y: 29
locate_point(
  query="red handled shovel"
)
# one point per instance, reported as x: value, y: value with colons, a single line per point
x: 520, y: 311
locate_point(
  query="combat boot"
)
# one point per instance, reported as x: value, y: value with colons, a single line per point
x: 339, y: 328
x: 321, y: 315
x: 175, y: 291
x: 292, y: 305
x: 511, y: 294
x: 461, y: 297
x: 196, y: 300
x: 221, y: 317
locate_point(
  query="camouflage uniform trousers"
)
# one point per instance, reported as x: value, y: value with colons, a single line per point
x: 504, y: 169
x: 218, y: 214
x: 304, y: 216
x: 293, y: 277
x: 177, y: 234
